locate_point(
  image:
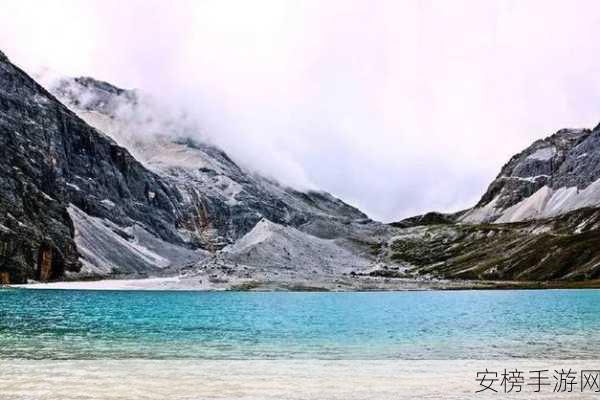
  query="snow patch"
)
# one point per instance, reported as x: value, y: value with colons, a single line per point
x: 581, y: 226
x: 4, y: 229
x: 47, y: 197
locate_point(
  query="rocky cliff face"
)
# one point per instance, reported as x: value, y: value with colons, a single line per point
x: 52, y: 161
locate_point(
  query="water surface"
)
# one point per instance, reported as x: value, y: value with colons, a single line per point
x: 71, y: 324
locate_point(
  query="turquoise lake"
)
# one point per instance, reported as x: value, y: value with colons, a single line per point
x: 71, y: 324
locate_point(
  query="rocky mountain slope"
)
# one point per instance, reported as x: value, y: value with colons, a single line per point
x: 564, y: 248
x: 539, y: 220
x: 112, y: 185
x: 304, y: 233
x: 551, y: 177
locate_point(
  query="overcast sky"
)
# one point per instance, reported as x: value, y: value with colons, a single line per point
x: 397, y: 107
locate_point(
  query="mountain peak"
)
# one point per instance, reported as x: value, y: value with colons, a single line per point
x: 548, y: 178
x: 86, y: 93
x: 92, y: 83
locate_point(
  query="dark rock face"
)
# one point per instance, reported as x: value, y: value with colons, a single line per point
x: 570, y: 157
x: 49, y: 158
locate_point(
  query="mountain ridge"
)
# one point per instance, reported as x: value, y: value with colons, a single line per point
x: 103, y: 182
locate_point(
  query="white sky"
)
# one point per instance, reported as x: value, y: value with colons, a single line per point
x: 397, y: 107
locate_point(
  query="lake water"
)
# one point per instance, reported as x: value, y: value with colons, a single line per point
x: 477, y: 325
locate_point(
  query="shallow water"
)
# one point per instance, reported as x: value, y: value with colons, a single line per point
x: 277, y: 379
x: 483, y: 325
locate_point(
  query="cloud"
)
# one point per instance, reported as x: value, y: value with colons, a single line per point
x: 397, y: 107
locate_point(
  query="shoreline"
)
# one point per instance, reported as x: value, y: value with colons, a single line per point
x: 175, y: 283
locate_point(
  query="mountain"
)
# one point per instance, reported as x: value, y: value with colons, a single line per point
x: 98, y: 181
x: 227, y: 204
x: 102, y: 182
x: 539, y: 220
x: 551, y: 177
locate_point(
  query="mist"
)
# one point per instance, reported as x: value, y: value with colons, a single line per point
x: 396, y: 107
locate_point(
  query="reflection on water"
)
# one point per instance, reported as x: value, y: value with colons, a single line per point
x: 48, y: 324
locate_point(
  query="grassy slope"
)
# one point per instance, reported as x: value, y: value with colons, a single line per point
x: 564, y: 249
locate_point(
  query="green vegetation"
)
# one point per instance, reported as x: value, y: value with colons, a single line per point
x: 565, y: 248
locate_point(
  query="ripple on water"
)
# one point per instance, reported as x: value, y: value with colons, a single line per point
x: 62, y: 324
